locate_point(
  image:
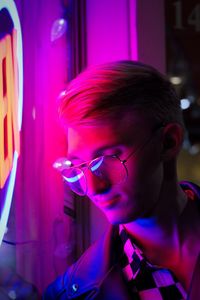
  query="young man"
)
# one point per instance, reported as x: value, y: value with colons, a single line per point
x: 125, y: 130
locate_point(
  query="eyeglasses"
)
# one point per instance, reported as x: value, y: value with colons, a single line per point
x: 108, y: 168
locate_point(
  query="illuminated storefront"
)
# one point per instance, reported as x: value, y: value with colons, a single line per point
x: 11, y: 86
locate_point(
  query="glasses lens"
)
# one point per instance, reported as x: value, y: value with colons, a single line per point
x: 109, y: 168
x: 76, y: 180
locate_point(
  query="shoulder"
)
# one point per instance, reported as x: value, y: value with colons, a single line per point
x: 187, y: 185
x: 192, y: 190
x: 86, y: 273
x: 55, y: 290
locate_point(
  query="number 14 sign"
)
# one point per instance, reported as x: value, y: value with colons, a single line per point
x: 192, y: 18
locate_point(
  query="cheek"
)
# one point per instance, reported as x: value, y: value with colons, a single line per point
x: 141, y: 192
x: 148, y: 163
x: 144, y: 177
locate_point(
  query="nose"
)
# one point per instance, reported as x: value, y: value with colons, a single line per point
x: 96, y: 185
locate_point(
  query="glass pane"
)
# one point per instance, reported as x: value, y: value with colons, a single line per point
x: 183, y: 68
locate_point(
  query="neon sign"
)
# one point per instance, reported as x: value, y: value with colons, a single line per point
x: 11, y: 85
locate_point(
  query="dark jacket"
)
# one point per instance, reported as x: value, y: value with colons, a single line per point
x: 97, y: 274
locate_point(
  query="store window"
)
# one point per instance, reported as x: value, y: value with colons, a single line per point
x: 183, y: 68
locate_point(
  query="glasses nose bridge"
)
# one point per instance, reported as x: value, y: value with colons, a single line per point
x: 85, y: 167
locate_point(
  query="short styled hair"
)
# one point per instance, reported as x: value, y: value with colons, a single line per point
x: 107, y: 91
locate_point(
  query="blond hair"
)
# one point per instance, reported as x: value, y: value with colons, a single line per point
x: 107, y: 91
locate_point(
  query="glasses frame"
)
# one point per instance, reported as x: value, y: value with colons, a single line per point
x: 86, y: 165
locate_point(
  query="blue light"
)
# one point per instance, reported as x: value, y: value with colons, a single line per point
x: 185, y: 103
x: 97, y: 165
x: 8, y: 199
x: 73, y: 179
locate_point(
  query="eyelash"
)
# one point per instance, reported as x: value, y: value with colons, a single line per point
x: 117, y: 152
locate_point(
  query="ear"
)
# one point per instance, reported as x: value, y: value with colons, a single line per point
x: 173, y: 134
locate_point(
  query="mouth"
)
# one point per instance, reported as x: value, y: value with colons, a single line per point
x: 105, y: 203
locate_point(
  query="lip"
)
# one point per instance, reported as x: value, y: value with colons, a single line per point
x: 101, y: 202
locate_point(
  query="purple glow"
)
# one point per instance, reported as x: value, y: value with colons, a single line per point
x: 111, y: 32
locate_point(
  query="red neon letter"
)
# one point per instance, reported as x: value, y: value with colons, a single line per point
x: 8, y: 107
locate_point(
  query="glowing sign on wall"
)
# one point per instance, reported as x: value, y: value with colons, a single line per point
x: 11, y: 85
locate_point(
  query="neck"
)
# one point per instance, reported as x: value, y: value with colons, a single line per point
x: 169, y: 237
x: 159, y: 230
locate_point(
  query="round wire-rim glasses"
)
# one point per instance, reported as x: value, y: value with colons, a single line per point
x: 110, y: 168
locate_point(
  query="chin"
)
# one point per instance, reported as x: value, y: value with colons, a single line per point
x: 120, y: 218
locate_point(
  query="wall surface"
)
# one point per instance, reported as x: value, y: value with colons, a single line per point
x: 42, y: 229
x: 109, y: 31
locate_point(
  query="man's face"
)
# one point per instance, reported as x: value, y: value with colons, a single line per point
x: 136, y: 196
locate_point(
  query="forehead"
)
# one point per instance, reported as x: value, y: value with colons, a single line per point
x: 85, y: 141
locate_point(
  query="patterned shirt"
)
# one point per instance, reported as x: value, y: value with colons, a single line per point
x: 146, y: 281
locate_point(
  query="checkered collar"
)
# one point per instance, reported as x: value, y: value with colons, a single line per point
x: 133, y: 253
x: 134, y: 256
x: 147, y: 281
